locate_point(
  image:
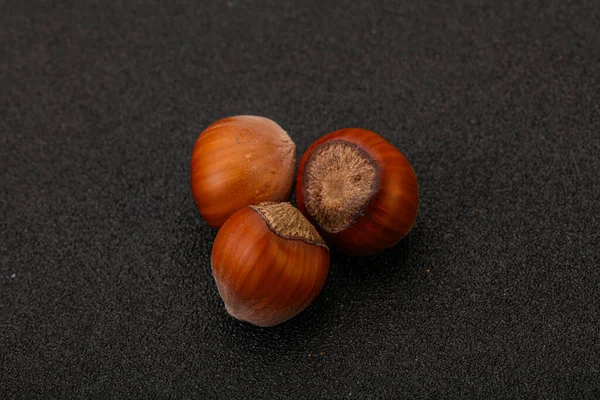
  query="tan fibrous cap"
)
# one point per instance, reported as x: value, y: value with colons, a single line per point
x: 339, y: 181
x: 287, y: 221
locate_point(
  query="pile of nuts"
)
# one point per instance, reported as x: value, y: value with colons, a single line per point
x: 356, y: 194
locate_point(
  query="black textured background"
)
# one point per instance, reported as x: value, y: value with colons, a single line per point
x: 105, y: 283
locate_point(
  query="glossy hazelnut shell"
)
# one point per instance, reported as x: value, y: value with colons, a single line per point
x: 390, y: 214
x: 239, y: 161
x: 263, y: 278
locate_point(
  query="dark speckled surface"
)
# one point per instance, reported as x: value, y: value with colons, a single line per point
x: 105, y: 283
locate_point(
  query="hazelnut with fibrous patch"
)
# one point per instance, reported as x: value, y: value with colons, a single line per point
x: 359, y: 191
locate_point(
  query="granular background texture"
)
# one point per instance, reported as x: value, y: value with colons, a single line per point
x: 105, y: 282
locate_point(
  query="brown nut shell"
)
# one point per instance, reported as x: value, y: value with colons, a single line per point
x: 269, y: 263
x: 359, y: 191
x: 240, y: 161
